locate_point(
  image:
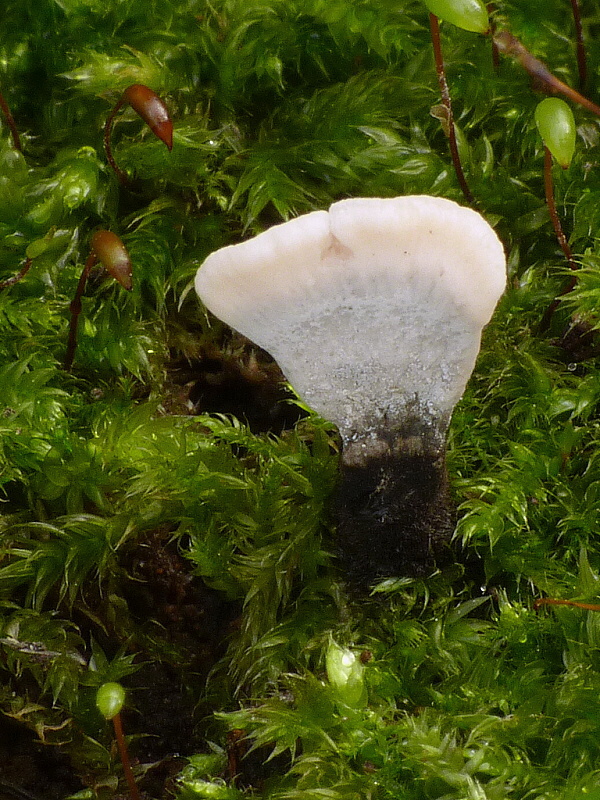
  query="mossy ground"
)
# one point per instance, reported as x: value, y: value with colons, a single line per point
x: 145, y: 539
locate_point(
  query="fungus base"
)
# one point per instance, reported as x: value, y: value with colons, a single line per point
x: 393, y: 507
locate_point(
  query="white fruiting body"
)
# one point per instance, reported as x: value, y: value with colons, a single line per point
x: 374, y: 312
x: 372, y: 309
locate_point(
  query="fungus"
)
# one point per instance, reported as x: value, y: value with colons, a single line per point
x: 374, y: 312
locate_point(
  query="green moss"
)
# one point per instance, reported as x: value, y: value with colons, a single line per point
x: 280, y: 108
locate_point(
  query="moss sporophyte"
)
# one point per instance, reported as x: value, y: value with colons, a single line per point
x: 110, y: 699
x: 107, y: 248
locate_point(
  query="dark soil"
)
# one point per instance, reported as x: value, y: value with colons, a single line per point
x: 30, y: 770
x: 240, y: 380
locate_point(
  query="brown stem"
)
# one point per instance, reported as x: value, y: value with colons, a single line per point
x: 511, y: 46
x: 11, y: 123
x: 122, y: 745
x: 108, y: 126
x: 75, y: 309
x: 581, y: 58
x: 445, y: 92
x: 551, y: 202
x: 560, y: 235
x: 237, y: 747
x: 491, y: 7
x: 550, y: 601
x: 18, y: 275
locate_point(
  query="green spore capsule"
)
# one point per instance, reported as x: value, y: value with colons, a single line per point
x: 556, y: 124
x: 470, y: 15
x: 110, y: 699
x: 345, y: 674
x: 37, y: 248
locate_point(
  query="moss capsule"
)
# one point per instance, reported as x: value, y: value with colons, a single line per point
x: 152, y: 110
x: 556, y: 124
x: 345, y: 674
x: 470, y: 15
x: 110, y: 698
x: 113, y: 255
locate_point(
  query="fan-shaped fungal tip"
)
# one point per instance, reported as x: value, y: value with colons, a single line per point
x: 367, y: 306
x: 374, y: 312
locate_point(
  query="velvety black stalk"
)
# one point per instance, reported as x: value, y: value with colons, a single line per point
x: 445, y: 93
x: 108, y: 126
x: 560, y: 235
x: 11, y: 123
x: 18, y: 276
x: 581, y: 57
x: 124, y: 754
x: 394, y: 513
x: 75, y: 309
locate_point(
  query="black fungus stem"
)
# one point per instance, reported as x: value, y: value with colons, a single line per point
x: 18, y: 275
x: 445, y: 92
x: 393, y: 506
x: 108, y: 126
x: 75, y: 309
x: 581, y: 58
x: 560, y: 235
x: 10, y: 121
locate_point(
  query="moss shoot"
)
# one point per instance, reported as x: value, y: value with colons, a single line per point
x: 151, y: 538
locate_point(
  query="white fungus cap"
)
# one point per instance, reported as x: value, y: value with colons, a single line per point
x: 371, y: 309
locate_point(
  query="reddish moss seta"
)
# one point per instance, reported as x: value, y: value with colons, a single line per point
x: 581, y: 56
x: 75, y: 309
x: 11, y: 123
x: 434, y: 26
x: 550, y: 601
x: 491, y: 7
x: 562, y: 240
x: 509, y: 45
x: 134, y: 792
x: 18, y: 275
